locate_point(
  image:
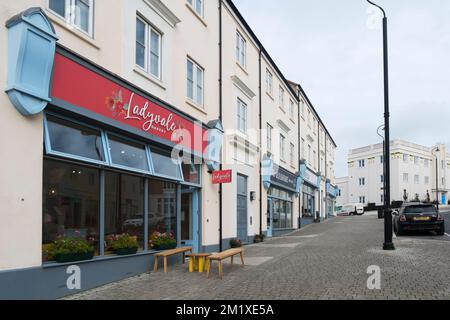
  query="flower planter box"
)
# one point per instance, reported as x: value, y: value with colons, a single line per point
x: 165, y: 247
x: 73, y: 257
x: 126, y: 251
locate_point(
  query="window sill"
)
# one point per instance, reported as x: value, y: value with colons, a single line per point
x: 200, y: 18
x: 243, y: 69
x: 149, y: 77
x: 196, y: 106
x: 270, y: 96
x: 73, y: 30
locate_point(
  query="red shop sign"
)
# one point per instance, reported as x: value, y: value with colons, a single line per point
x: 86, y: 89
x: 221, y: 177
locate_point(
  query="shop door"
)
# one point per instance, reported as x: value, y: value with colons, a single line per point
x: 189, y: 218
x: 270, y: 218
x: 242, y: 228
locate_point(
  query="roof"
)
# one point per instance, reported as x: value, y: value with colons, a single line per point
x: 288, y: 83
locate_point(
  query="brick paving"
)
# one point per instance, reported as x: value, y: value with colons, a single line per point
x: 325, y: 261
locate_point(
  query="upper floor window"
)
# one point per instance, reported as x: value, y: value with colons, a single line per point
x: 426, y: 162
x: 416, y: 160
x: 381, y: 159
x: 362, y: 181
x: 78, y: 13
x: 195, y: 82
x: 148, y: 48
x: 405, y: 158
x: 241, y: 116
x: 282, y: 147
x: 291, y: 109
x: 416, y: 179
x: 427, y: 180
x: 309, y: 118
x: 269, y: 137
x: 241, y: 50
x: 197, y: 5
x: 405, y: 177
x: 292, y: 154
x: 269, y: 82
x: 362, y: 163
x: 281, y: 97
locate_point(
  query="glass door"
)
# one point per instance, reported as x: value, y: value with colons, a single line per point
x: 189, y: 217
x: 270, y: 218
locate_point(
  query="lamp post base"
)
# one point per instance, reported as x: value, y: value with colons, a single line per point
x: 388, y: 246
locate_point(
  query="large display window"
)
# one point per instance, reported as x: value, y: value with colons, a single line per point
x: 282, y: 206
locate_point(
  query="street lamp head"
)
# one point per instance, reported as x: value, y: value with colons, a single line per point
x: 384, y: 13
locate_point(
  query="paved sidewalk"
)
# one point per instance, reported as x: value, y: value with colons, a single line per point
x: 322, y: 261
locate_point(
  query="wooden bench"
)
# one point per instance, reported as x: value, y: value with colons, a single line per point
x: 222, y: 256
x: 169, y: 253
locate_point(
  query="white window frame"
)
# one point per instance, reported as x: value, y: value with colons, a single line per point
x: 70, y: 15
x: 282, y: 147
x: 148, y: 50
x: 405, y: 177
x: 269, y: 82
x: 427, y: 180
x: 281, y: 97
x: 194, y: 5
x: 292, y: 153
x: 416, y: 179
x: 269, y: 137
x: 242, y: 116
x: 195, y: 83
x: 241, y: 50
x: 291, y: 109
x: 405, y: 158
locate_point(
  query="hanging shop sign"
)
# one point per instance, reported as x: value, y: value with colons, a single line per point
x: 222, y: 177
x: 79, y: 86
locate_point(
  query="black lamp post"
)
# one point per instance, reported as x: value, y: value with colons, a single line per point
x: 388, y: 244
x: 436, y: 150
x: 384, y: 167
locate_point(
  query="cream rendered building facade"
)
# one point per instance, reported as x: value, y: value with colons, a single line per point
x: 244, y: 92
x: 413, y: 174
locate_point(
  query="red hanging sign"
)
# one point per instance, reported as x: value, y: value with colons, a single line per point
x: 221, y: 177
x: 89, y: 90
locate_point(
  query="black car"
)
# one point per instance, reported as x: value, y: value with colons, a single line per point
x: 418, y: 217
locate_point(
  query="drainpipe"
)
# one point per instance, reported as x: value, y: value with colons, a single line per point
x: 318, y: 166
x: 220, y: 118
x: 260, y: 151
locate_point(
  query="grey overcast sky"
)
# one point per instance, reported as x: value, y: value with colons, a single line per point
x: 334, y: 49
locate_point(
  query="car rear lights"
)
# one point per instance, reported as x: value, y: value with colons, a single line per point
x: 403, y: 218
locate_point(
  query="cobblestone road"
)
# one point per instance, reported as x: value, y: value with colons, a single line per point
x: 322, y: 261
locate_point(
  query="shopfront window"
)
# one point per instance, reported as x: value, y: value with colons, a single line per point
x: 308, y: 202
x: 282, y: 208
x: 191, y: 173
x: 162, y: 207
x: 74, y: 140
x: 70, y: 204
x: 164, y: 165
x: 124, y: 208
x: 127, y: 154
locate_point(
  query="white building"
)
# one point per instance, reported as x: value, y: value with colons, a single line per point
x: 413, y: 174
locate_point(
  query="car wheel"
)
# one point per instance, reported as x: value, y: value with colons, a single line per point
x: 441, y: 231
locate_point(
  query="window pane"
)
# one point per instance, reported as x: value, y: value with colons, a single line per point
x: 190, y: 79
x: 162, y: 207
x: 155, y: 53
x: 199, y: 98
x: 58, y: 6
x: 128, y: 154
x: 140, y: 43
x: 82, y: 14
x: 199, y: 7
x: 191, y: 172
x: 74, y: 139
x: 140, y: 55
x: 70, y: 203
x: 124, y: 208
x: 164, y: 165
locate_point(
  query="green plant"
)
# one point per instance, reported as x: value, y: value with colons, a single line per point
x: 125, y: 241
x: 158, y: 239
x: 70, y: 246
x: 235, y: 243
x: 259, y: 238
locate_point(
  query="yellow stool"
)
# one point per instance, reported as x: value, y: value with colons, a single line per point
x: 198, y: 262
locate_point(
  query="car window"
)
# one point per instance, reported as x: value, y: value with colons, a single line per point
x: 420, y: 209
